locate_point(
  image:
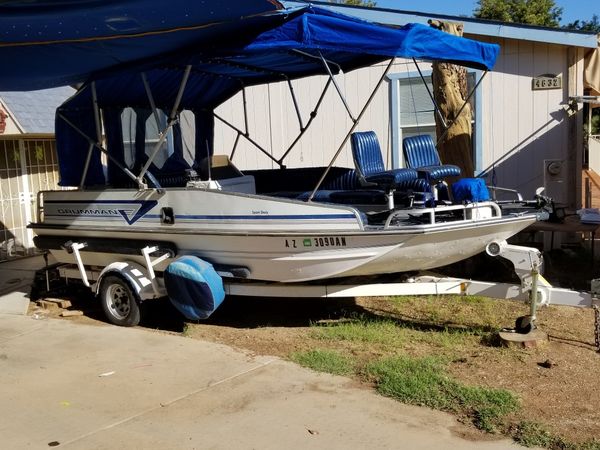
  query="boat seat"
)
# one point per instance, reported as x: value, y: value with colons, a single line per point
x: 420, y: 154
x: 342, y: 181
x: 418, y: 188
x: 368, y: 160
x: 269, y: 181
x: 353, y: 197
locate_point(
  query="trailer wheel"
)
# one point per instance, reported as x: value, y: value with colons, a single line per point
x: 524, y: 325
x: 119, y: 302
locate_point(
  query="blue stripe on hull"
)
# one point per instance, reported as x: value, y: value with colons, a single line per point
x: 258, y: 217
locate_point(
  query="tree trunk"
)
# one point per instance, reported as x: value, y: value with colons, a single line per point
x: 450, y: 92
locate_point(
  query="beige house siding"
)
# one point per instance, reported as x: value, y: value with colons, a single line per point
x: 522, y: 127
x: 274, y: 124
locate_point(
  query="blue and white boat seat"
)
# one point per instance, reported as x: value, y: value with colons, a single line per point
x: 369, y: 163
x: 340, y: 186
x: 421, y: 154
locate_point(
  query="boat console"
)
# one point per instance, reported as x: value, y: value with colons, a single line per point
x: 222, y: 175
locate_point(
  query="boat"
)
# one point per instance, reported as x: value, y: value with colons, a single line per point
x: 264, y: 225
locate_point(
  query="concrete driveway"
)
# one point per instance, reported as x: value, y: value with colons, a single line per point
x: 103, y: 387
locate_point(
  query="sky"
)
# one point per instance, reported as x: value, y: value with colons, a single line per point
x: 572, y: 9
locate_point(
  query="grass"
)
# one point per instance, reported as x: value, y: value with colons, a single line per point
x: 362, y: 330
x: 187, y: 330
x: 384, y: 347
x: 461, y: 309
x: 391, y: 333
x: 424, y: 382
x: 531, y: 434
x: 324, y: 361
x: 419, y: 381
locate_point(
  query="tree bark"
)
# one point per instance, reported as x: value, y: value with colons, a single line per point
x: 450, y: 92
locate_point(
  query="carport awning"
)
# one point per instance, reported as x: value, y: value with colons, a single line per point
x: 591, y: 78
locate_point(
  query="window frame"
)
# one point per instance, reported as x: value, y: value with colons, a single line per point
x: 396, y: 123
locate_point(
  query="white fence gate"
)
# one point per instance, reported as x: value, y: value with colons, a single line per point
x: 27, y: 165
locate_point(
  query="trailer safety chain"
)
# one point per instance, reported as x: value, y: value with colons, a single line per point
x: 597, y: 326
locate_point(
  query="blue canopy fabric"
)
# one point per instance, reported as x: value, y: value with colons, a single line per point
x: 288, y: 51
x: 49, y: 43
x: 325, y: 30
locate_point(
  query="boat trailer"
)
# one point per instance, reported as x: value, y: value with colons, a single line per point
x: 534, y: 289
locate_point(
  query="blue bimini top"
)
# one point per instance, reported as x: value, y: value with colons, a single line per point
x: 292, y: 48
x: 49, y: 43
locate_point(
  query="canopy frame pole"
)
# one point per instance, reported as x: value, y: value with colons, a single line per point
x: 86, y: 166
x: 435, y: 105
x: 163, y: 135
x: 99, y: 147
x: 151, y: 100
x: 462, y: 107
x: 337, y: 88
x: 235, y: 144
x: 313, y: 114
x: 88, y: 158
x: 248, y: 138
x: 352, y: 128
x: 245, y: 104
x: 295, y: 101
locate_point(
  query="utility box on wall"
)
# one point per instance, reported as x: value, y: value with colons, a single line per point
x: 555, y: 180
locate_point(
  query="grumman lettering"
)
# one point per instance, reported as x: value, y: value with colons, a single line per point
x: 90, y: 212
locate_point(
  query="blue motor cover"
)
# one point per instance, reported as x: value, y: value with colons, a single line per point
x: 194, y: 287
x: 470, y: 190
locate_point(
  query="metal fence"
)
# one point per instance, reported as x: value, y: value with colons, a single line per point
x: 26, y: 166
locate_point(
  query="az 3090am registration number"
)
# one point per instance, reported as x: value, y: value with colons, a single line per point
x: 325, y: 241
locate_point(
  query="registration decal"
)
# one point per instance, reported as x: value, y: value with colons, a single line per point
x: 325, y: 241
x: 329, y: 241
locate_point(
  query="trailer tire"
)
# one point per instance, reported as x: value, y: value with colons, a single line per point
x: 119, y: 301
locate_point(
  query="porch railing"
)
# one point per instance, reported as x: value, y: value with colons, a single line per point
x: 594, y: 153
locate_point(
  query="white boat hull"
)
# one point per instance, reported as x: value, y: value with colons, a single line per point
x: 276, y: 240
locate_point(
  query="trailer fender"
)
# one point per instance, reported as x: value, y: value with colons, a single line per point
x: 134, y: 273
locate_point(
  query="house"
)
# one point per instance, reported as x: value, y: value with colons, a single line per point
x: 527, y: 134
x: 28, y: 162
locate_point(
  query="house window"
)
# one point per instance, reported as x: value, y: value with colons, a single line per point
x: 416, y: 108
x: 413, y: 113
